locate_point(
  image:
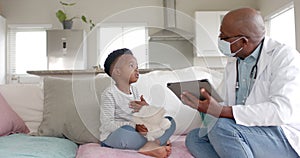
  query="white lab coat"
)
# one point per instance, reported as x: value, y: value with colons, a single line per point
x: 275, y: 97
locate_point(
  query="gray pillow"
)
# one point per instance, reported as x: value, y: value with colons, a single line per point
x: 72, y: 108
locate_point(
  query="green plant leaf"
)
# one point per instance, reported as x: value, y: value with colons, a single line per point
x: 83, y: 18
x: 61, y: 15
x: 75, y: 17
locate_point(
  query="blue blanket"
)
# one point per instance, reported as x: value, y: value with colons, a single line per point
x: 25, y: 146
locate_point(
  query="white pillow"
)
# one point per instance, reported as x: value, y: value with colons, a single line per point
x: 153, y: 86
x: 27, y: 101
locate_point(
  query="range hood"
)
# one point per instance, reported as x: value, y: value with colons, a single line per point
x: 170, y: 31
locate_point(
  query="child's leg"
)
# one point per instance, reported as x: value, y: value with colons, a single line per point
x: 168, y: 133
x: 125, y: 137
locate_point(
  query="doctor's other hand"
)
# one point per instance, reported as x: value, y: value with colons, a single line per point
x: 209, y: 105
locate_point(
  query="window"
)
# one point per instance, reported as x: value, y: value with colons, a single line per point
x: 116, y: 36
x: 26, y: 51
x: 283, y: 20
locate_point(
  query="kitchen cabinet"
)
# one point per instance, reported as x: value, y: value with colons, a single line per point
x: 207, y: 26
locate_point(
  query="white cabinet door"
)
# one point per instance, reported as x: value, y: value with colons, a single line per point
x: 131, y: 36
x: 207, y: 25
x: 2, y: 49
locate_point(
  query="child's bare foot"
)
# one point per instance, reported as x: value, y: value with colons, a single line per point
x: 170, y: 147
x: 155, y: 150
x: 169, y: 150
x: 169, y: 143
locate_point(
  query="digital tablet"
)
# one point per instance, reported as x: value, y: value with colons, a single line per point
x: 194, y: 87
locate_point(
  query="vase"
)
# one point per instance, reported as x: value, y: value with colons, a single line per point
x: 67, y: 24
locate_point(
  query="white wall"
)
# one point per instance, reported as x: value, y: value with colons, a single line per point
x: 297, y: 14
x: 43, y: 12
x: 268, y: 7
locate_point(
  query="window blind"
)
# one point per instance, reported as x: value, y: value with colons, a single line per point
x: 20, y: 51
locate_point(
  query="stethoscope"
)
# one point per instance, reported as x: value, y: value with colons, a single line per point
x: 253, y: 72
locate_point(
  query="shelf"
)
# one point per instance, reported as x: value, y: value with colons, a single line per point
x: 80, y: 72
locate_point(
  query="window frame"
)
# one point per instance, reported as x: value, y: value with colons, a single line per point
x: 11, y: 75
x: 122, y: 25
x: 277, y: 13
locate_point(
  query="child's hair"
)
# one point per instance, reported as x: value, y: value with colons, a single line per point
x: 112, y: 58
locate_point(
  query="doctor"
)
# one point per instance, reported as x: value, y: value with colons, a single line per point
x: 262, y: 96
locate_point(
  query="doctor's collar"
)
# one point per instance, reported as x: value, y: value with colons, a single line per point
x: 254, y: 54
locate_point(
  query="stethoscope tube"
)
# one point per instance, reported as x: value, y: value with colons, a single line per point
x: 254, y: 68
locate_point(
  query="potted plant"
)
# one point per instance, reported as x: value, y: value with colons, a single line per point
x: 67, y: 21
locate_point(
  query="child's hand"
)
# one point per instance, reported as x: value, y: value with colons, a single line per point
x: 142, y: 129
x: 143, y: 101
x: 137, y: 105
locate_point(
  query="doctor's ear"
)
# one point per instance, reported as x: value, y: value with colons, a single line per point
x: 246, y: 40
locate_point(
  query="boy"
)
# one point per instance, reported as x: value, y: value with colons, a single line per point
x: 119, y: 102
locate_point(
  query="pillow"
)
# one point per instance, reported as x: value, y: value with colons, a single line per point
x: 72, y: 108
x: 26, y: 146
x: 10, y: 122
x: 29, y: 102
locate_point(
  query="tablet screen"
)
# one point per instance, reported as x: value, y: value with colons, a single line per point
x: 194, y: 87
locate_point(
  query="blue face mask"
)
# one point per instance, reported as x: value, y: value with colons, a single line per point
x: 224, y: 47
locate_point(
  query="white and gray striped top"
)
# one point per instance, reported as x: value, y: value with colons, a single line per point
x: 115, y: 111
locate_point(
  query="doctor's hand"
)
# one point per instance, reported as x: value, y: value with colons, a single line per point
x: 209, y: 105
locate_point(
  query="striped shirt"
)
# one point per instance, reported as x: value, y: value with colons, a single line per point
x: 115, y: 111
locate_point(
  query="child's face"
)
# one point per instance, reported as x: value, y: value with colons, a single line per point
x: 127, y: 68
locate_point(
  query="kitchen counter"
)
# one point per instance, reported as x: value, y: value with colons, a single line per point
x: 80, y: 72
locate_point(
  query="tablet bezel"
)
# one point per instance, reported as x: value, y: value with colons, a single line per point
x: 194, y: 87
